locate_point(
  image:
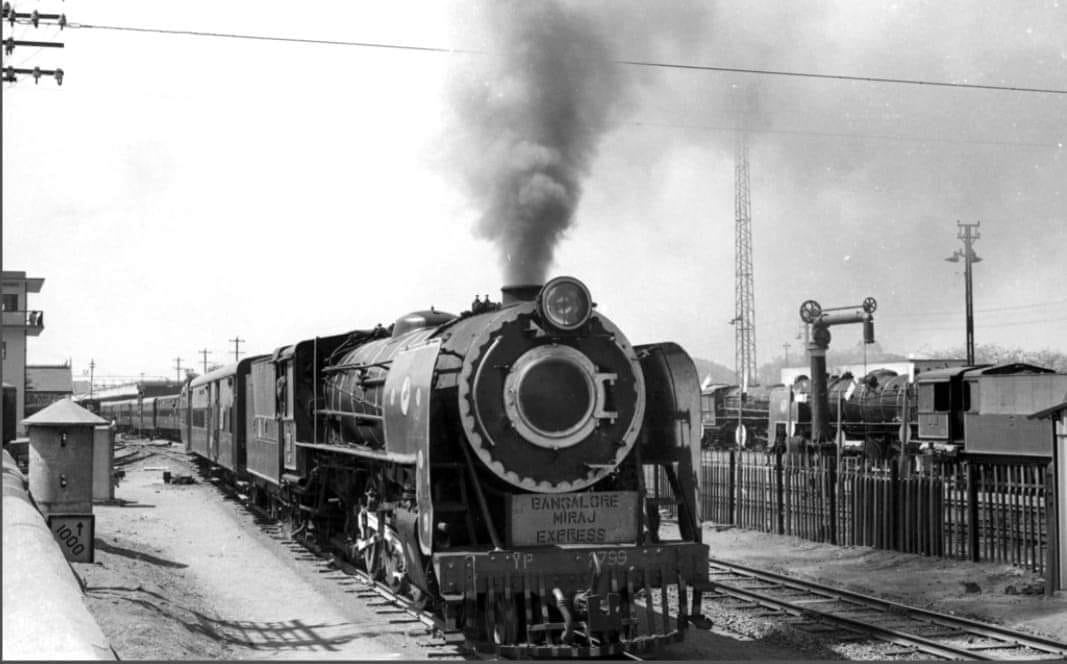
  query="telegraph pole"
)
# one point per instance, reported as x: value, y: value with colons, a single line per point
x: 34, y: 18
x: 236, y: 347
x: 785, y: 347
x: 178, y: 368
x: 968, y: 233
x: 204, y: 352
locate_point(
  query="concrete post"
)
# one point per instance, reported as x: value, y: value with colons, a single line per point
x: 103, y: 464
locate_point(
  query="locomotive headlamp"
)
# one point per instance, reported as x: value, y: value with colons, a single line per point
x: 565, y: 303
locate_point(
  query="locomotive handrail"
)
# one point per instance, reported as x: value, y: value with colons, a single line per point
x: 342, y: 413
x: 359, y: 367
x: 494, y: 536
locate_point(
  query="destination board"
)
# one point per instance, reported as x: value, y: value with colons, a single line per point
x: 602, y: 517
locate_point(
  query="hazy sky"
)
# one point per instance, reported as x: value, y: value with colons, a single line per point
x: 177, y: 191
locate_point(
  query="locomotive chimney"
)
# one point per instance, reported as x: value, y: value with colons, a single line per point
x: 519, y: 293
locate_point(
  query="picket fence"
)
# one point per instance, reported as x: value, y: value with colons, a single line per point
x: 960, y: 509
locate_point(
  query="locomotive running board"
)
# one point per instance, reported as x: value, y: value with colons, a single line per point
x: 361, y: 451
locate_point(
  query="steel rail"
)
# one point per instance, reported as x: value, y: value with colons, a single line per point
x: 1011, y: 639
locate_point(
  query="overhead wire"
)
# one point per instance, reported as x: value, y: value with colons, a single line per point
x: 1016, y: 307
x: 860, y: 136
x: 635, y: 63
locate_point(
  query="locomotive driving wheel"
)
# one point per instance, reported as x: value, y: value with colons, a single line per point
x: 393, y: 569
x: 383, y: 557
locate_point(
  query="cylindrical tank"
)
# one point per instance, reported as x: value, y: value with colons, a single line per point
x: 544, y: 411
x: 837, y: 392
x: 358, y: 386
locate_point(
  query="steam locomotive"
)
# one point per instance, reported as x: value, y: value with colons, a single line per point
x: 489, y: 465
x: 981, y: 409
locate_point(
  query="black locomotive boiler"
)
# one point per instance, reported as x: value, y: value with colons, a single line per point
x: 491, y: 464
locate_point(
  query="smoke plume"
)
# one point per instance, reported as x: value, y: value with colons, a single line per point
x: 528, y: 121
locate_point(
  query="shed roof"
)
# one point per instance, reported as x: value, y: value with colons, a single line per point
x: 1050, y: 412
x: 63, y: 411
x: 1014, y: 368
x: 215, y: 374
x: 940, y: 375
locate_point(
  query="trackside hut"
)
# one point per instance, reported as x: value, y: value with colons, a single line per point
x: 1057, y: 414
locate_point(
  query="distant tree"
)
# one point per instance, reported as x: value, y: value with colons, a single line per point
x: 771, y: 372
x: 861, y: 352
x: 714, y: 371
x: 997, y: 354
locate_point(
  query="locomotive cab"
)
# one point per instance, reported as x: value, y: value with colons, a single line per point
x: 942, y: 398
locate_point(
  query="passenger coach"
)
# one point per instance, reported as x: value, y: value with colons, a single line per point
x: 216, y: 428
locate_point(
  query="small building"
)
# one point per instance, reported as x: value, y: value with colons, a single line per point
x: 1057, y: 414
x: 20, y: 322
x: 47, y: 384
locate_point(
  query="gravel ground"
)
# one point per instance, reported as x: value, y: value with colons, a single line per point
x: 182, y: 573
x: 990, y: 592
x: 981, y: 591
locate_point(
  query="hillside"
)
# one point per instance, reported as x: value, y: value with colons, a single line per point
x: 718, y: 373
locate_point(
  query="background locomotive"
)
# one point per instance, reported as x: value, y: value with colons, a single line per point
x: 726, y: 408
x: 970, y: 409
x: 490, y: 464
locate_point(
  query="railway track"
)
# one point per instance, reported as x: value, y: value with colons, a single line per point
x: 438, y: 642
x: 853, y: 617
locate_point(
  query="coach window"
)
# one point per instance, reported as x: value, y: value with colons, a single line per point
x: 707, y: 405
x: 926, y: 398
x: 11, y: 302
x: 970, y: 396
x: 942, y: 397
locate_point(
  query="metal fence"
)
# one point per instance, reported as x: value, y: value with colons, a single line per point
x: 969, y: 510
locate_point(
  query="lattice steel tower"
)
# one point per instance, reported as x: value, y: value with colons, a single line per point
x: 744, y: 303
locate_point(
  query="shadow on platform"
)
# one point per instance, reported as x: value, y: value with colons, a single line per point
x: 101, y: 545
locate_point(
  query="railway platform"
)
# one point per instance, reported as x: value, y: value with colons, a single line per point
x: 44, y: 616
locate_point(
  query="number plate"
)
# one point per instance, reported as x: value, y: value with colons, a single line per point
x: 74, y: 534
x: 601, y: 517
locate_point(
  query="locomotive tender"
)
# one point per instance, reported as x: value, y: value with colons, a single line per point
x: 491, y: 465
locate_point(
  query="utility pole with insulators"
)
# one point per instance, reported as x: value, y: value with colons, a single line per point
x: 178, y: 368
x: 236, y: 347
x: 11, y: 17
x: 204, y: 352
x: 968, y: 233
